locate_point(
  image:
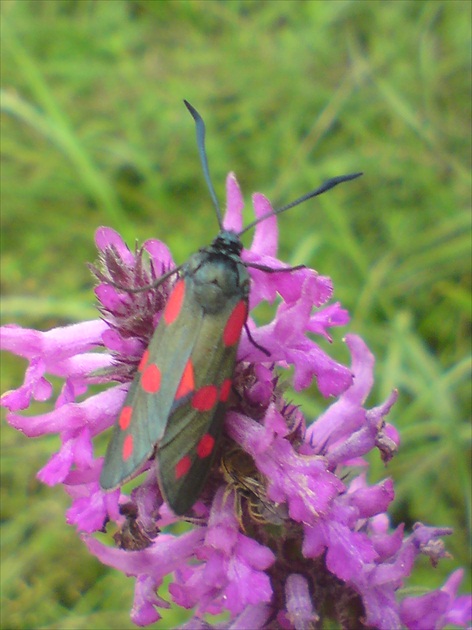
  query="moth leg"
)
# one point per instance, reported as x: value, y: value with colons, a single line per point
x: 271, y: 269
x: 254, y: 343
x: 147, y: 287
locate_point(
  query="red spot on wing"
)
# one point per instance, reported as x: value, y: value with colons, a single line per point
x: 125, y: 418
x: 187, y: 382
x: 205, y: 398
x: 127, y: 447
x: 144, y: 360
x: 151, y: 379
x: 225, y: 389
x: 205, y: 446
x: 183, y: 466
x: 235, y: 323
x: 174, y: 303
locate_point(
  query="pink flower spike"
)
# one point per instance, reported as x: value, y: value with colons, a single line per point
x: 286, y: 531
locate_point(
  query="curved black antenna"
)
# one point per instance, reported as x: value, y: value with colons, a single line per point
x: 327, y: 185
x: 200, y: 127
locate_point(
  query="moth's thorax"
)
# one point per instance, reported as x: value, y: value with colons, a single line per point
x: 216, y: 273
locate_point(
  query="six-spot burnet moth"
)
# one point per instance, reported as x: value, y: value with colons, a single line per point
x: 176, y: 403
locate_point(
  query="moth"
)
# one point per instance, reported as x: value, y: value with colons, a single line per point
x: 176, y: 404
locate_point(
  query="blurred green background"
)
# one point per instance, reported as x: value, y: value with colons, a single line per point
x: 94, y: 132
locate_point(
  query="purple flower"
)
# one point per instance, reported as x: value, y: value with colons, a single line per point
x: 438, y: 608
x: 287, y: 532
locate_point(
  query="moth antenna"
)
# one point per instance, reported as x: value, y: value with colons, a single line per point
x: 200, y: 128
x: 327, y: 185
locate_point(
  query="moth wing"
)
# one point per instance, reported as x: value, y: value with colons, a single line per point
x: 144, y: 415
x: 183, y: 472
x: 186, y: 451
x: 170, y: 350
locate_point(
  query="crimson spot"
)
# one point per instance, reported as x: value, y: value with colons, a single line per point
x: 125, y: 417
x: 144, y: 360
x: 127, y: 447
x: 151, y: 379
x: 225, y: 390
x: 174, y: 303
x: 205, y: 446
x: 205, y: 398
x: 183, y: 466
x: 236, y: 320
x: 187, y: 382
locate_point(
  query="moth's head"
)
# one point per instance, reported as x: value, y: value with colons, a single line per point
x: 227, y: 242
